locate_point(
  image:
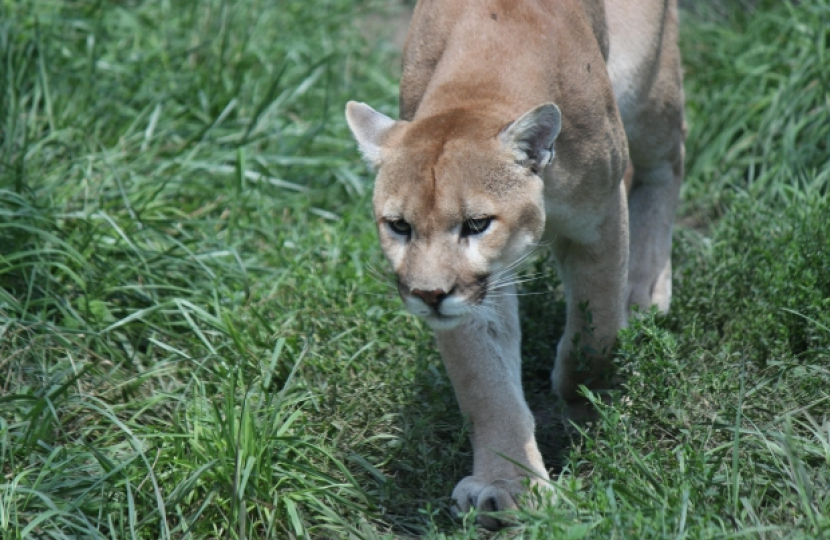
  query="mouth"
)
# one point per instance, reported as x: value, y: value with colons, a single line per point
x: 437, y: 318
x: 444, y: 322
x: 448, y: 312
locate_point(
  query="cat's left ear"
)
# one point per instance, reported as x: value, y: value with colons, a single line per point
x: 531, y: 137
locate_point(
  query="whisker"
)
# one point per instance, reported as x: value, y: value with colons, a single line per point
x: 506, y: 294
x: 521, y: 260
x: 388, y: 285
x: 378, y: 269
x: 514, y: 282
x: 385, y: 283
x: 381, y: 276
x: 509, y: 280
x: 515, y: 264
x: 511, y: 274
x: 505, y: 286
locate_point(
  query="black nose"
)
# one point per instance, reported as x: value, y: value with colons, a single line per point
x: 432, y: 298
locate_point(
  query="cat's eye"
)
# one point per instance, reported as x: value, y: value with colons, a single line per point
x: 476, y: 226
x: 401, y: 227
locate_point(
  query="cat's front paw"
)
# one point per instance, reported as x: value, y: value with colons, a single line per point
x: 494, y: 496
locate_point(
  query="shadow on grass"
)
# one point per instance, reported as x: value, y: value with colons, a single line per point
x: 435, y: 451
x: 542, y: 313
x: 414, y: 400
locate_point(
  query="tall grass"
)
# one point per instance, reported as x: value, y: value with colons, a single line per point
x: 152, y: 158
x: 759, y: 108
x: 198, y: 338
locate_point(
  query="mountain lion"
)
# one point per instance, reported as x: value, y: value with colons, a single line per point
x: 519, y: 120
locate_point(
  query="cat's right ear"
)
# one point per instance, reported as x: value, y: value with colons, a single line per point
x: 369, y: 128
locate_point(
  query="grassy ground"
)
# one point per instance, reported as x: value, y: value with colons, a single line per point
x: 198, y: 339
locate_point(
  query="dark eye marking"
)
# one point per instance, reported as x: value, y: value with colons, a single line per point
x: 400, y: 227
x: 473, y: 227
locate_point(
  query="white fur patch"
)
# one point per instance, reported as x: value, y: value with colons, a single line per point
x: 369, y: 128
x: 452, y: 312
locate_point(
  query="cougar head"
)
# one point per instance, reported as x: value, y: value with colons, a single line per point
x: 458, y: 201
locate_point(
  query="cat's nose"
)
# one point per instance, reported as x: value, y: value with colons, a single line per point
x: 431, y: 298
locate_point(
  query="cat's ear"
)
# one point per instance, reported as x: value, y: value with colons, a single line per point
x: 530, y: 138
x: 369, y: 128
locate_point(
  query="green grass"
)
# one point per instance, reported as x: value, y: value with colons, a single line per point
x: 758, y: 104
x: 198, y: 338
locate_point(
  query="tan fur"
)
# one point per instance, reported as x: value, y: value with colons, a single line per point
x: 526, y: 112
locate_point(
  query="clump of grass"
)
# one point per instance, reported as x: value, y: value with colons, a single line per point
x: 757, y: 103
x: 159, y: 165
x: 721, y: 427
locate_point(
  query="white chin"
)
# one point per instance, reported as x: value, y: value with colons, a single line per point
x: 444, y: 322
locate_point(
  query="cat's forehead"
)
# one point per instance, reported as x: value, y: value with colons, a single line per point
x: 461, y: 169
x: 438, y: 193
